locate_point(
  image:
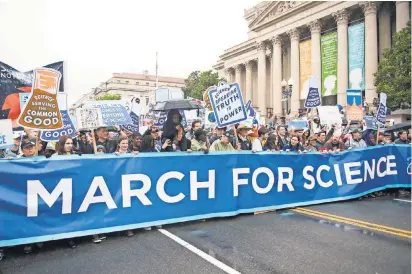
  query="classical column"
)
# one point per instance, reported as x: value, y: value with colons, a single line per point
x: 371, y: 49
x: 238, y: 77
x: 341, y: 18
x: 277, y: 76
x: 262, y: 78
x: 384, y: 28
x: 248, y: 82
x: 269, y: 72
x: 228, y: 73
x: 294, y: 35
x: 402, y: 14
x: 315, y: 29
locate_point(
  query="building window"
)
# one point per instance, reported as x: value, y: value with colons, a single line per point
x: 127, y: 82
x: 118, y: 81
x: 147, y: 83
x: 147, y: 101
x: 137, y: 83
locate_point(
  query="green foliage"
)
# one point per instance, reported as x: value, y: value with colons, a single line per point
x: 197, y: 82
x: 109, y: 97
x: 394, y: 72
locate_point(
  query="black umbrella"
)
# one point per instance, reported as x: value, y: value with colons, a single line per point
x: 176, y: 104
x: 396, y: 127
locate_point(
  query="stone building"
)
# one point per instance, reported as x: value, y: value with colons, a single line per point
x: 340, y: 42
x: 130, y: 85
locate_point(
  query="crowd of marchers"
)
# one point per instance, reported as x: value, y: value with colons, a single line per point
x: 173, y: 137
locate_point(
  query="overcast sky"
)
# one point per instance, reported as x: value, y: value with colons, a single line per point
x: 99, y: 37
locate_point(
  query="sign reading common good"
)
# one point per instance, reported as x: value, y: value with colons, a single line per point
x: 6, y: 134
x: 42, y: 109
x: 54, y: 135
x: 313, y: 97
x: 381, y: 113
x: 227, y: 103
x: 354, y: 109
x: 114, y: 113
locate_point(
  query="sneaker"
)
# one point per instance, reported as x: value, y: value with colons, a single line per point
x: 129, y: 233
x: 96, y: 239
x: 102, y: 237
x: 27, y: 249
x: 72, y: 244
x: 148, y: 228
x: 158, y: 226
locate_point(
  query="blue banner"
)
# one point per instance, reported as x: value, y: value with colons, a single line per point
x: 72, y: 196
x: 356, y: 56
x: 67, y: 129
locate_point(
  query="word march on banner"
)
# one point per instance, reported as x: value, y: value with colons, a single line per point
x: 227, y: 103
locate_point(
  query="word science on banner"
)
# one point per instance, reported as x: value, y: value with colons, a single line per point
x: 114, y: 112
x: 354, y: 108
x: 227, y: 103
x: 51, y: 199
x: 42, y: 109
x: 13, y: 82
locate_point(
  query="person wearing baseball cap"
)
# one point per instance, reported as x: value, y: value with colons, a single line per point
x: 356, y: 141
x: 15, y: 150
x: 223, y: 144
x: 28, y: 147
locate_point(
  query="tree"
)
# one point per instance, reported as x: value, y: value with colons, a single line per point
x: 197, y: 82
x: 109, y: 97
x: 394, y: 71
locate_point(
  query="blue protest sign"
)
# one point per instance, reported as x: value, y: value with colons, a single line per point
x: 301, y: 124
x: 370, y: 122
x: 114, y: 113
x: 313, y: 98
x: 381, y: 113
x: 24, y: 97
x: 227, y: 103
x: 134, y: 127
x: 67, y: 196
x: 67, y: 129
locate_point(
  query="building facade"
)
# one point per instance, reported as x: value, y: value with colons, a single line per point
x: 339, y: 42
x: 129, y: 85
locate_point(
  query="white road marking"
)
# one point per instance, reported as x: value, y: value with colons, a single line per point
x: 199, y: 252
x: 408, y: 201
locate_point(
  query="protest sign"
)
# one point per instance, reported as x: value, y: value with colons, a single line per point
x: 313, y: 98
x: 301, y: 124
x: 88, y: 118
x: 381, y: 113
x: 370, y: 123
x: 13, y: 82
x: 95, y: 194
x: 114, y: 112
x: 134, y: 127
x: 354, y: 111
x: 329, y: 115
x: 227, y: 103
x: 6, y: 134
x: 24, y: 97
x: 206, y: 98
x: 68, y: 129
x: 42, y: 110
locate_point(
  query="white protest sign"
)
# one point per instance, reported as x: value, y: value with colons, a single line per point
x: 6, y: 134
x: 227, y: 103
x: 114, y: 112
x: 329, y: 115
x: 381, y: 113
x: 88, y: 118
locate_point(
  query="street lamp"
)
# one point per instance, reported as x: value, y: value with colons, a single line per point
x: 287, y: 88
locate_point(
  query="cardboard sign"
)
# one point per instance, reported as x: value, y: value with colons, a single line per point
x: 42, y: 110
x: 370, y: 123
x: 301, y: 124
x: 206, y: 98
x: 313, y: 98
x: 227, y: 103
x: 89, y: 118
x: 114, y: 112
x: 6, y: 134
x: 54, y: 135
x: 354, y: 111
x: 329, y: 115
x: 381, y: 114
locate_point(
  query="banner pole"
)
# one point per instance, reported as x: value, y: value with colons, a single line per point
x: 377, y: 135
x: 37, y: 148
x: 237, y: 139
x: 94, y: 142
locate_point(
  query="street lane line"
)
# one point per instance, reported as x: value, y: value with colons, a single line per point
x: 356, y: 220
x: 408, y: 201
x: 199, y: 252
x: 353, y: 223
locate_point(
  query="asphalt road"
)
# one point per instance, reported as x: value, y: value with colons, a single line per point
x: 373, y: 237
